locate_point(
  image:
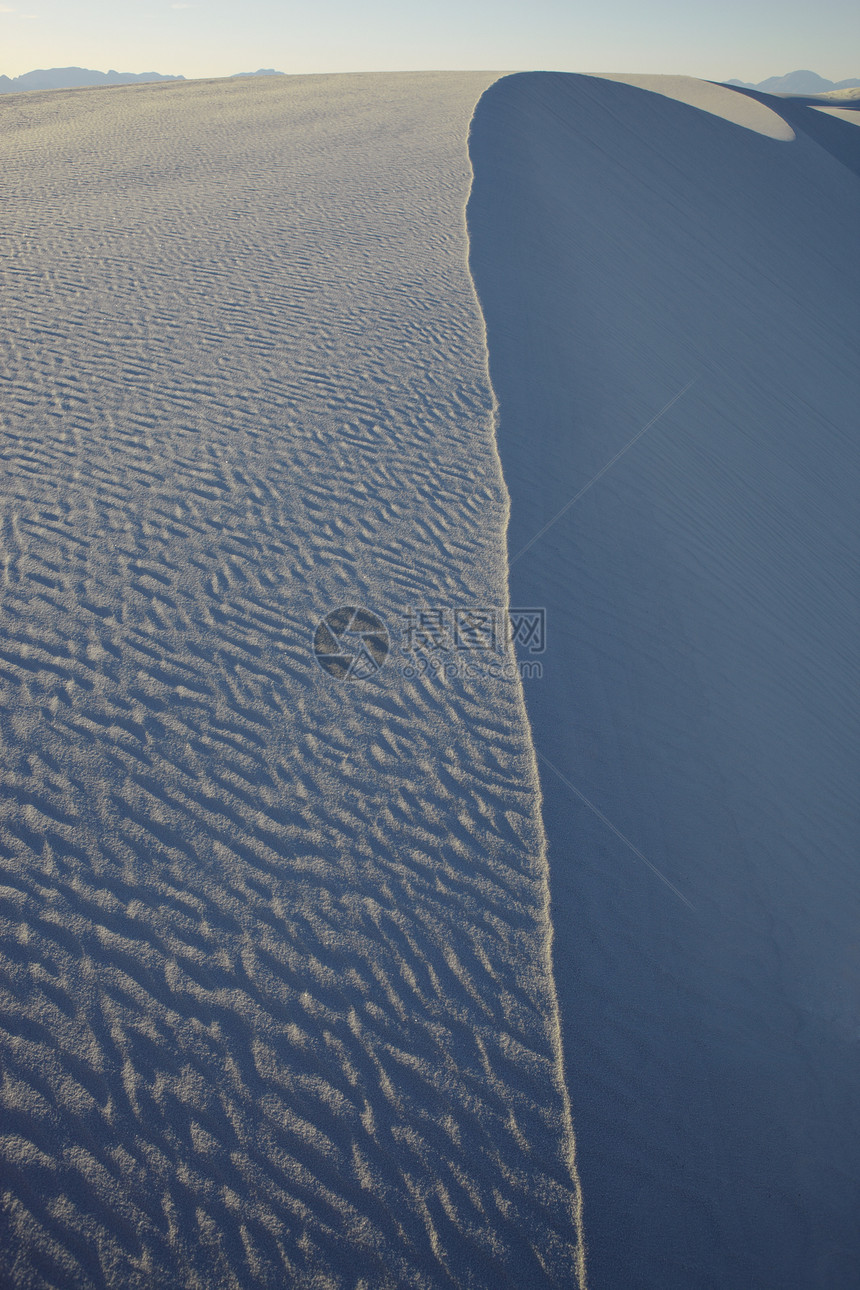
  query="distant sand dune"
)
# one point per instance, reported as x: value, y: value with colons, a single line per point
x: 708, y: 97
x: 851, y: 115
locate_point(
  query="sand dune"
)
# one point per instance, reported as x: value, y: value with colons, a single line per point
x: 643, y: 262
x: 277, y: 1007
x: 832, y: 131
x: 838, y: 96
x: 278, y: 999
x: 851, y: 115
x: 718, y: 100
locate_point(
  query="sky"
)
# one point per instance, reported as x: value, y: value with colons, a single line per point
x: 717, y: 39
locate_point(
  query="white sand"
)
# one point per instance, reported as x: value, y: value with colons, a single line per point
x: 276, y: 998
x: 841, y: 114
x: 718, y: 100
x: 841, y: 95
x: 701, y: 683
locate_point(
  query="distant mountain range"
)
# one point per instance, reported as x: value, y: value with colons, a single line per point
x: 72, y: 78
x: 797, y: 83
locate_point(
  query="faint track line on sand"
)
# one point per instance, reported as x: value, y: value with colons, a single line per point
x: 601, y: 472
x: 630, y: 845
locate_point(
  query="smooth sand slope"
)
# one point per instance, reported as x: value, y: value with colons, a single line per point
x: 832, y: 130
x: 276, y: 1003
x: 701, y: 678
x: 850, y: 115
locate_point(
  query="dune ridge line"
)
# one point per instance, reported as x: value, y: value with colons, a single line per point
x: 535, y: 779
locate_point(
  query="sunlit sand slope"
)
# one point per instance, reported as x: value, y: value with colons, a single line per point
x: 276, y: 1002
x: 701, y: 676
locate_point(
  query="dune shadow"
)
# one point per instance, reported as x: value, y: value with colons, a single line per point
x: 840, y: 138
x: 645, y: 266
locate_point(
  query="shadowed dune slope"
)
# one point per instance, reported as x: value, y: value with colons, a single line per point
x: 700, y: 681
x: 831, y: 127
x: 275, y: 999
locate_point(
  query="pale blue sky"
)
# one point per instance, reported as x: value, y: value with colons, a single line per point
x: 750, y: 39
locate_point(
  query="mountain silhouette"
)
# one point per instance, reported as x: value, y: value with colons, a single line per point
x: 796, y: 83
x: 70, y: 78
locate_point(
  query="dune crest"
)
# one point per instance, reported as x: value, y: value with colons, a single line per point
x: 851, y: 115
x: 710, y: 97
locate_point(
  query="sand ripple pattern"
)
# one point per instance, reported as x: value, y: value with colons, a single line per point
x: 276, y: 1003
